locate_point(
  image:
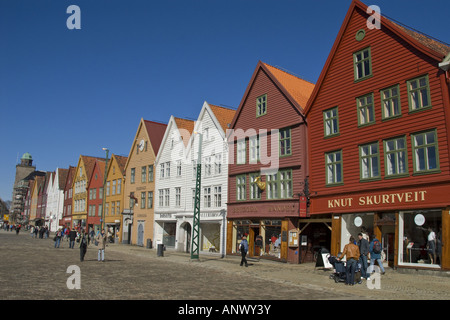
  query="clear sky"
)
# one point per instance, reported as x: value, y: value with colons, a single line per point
x: 69, y: 92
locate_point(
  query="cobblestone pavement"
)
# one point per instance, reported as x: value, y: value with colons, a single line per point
x: 32, y: 269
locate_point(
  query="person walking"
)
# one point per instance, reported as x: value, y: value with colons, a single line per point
x: 58, y: 236
x: 72, y: 237
x: 363, y: 245
x: 375, y: 254
x: 351, y: 250
x: 83, y: 245
x: 244, y: 249
x: 101, y: 239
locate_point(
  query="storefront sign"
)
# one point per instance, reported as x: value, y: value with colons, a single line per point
x: 379, y: 199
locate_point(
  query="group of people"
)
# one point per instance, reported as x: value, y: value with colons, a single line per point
x: 42, y: 232
x: 359, y: 252
x: 84, y: 239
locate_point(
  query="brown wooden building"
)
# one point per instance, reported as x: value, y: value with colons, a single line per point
x: 379, y: 128
x: 267, y: 165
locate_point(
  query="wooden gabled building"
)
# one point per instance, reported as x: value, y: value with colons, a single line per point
x: 267, y: 167
x: 378, y: 140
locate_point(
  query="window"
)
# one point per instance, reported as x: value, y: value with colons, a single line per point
x: 142, y: 200
x: 285, y: 184
x: 218, y: 164
x: 425, y: 152
x: 114, y: 187
x: 218, y: 196
x: 161, y: 197
x: 194, y: 169
x: 162, y: 170
x: 168, y: 169
x: 362, y: 64
x: 167, y: 197
x: 285, y: 142
x: 331, y: 122
x: 396, y: 156
x: 366, y: 111
x: 369, y: 158
x: 144, y: 174
x: 150, y: 200
x: 178, y: 197
x: 334, y: 168
x: 253, y: 149
x: 279, y: 185
x: 390, y: 102
x: 119, y: 186
x: 207, y: 197
x: 208, y: 171
x: 241, y: 152
x: 108, y: 184
x: 179, y: 168
x: 261, y: 105
x: 255, y: 192
x: 418, y: 93
x: 150, y: 173
x: 240, y: 188
x: 132, y: 175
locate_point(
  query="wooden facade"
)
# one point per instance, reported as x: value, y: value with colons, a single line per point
x: 94, y: 204
x: 378, y: 138
x: 268, y: 142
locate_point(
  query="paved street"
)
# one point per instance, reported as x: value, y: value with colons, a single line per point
x: 32, y: 269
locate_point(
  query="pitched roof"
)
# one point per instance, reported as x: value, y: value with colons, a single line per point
x: 184, y: 126
x: 62, y: 177
x: 223, y: 115
x: 89, y: 163
x: 297, y: 90
x: 425, y: 44
x: 155, y: 131
x: 121, y: 162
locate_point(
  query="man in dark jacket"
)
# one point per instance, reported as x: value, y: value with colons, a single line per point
x: 363, y: 245
x: 72, y: 237
x: 244, y: 249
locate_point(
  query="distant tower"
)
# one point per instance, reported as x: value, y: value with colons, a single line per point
x: 23, y: 170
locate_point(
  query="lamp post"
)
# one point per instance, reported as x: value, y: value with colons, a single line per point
x: 104, y: 190
x: 196, y: 220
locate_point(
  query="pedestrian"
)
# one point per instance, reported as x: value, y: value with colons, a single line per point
x: 91, y: 236
x: 83, y: 245
x: 351, y: 250
x: 375, y: 254
x: 58, y: 236
x: 36, y: 231
x: 244, y: 249
x: 72, y: 237
x: 32, y: 231
x: 431, y: 245
x: 18, y: 229
x: 101, y: 239
x: 363, y: 245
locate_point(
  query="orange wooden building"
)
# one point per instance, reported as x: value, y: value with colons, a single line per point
x: 378, y: 139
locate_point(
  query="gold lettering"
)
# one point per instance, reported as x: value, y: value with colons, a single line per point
x: 423, y: 195
x: 385, y: 198
x: 408, y: 197
x: 362, y: 201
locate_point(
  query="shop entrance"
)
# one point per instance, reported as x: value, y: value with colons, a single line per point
x: 314, y: 235
x: 384, y: 230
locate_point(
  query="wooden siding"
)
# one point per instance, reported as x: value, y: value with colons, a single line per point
x: 394, y: 62
x: 281, y: 113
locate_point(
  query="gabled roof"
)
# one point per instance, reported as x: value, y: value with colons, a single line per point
x: 223, y: 115
x: 155, y: 132
x: 428, y: 46
x: 185, y: 126
x: 100, y: 165
x: 89, y: 163
x: 297, y: 90
x: 62, y: 177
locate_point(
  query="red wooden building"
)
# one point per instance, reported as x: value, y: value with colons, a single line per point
x: 267, y: 164
x: 95, y: 197
x: 66, y: 220
x: 378, y: 139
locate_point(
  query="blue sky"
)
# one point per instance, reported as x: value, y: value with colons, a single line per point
x: 69, y: 92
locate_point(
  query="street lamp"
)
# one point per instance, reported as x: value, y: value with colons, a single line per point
x: 104, y: 190
x: 196, y: 221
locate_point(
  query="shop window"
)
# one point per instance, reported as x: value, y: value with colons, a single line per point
x: 420, y: 238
